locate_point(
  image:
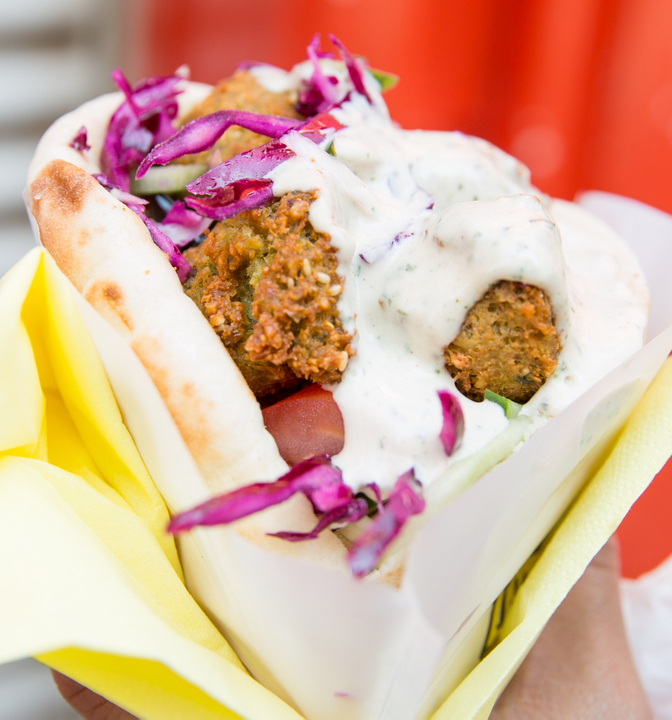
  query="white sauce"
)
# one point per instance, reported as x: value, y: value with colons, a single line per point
x: 425, y: 223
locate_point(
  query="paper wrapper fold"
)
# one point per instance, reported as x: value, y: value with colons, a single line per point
x: 92, y: 586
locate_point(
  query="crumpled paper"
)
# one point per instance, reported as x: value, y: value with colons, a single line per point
x: 647, y: 612
x: 91, y: 583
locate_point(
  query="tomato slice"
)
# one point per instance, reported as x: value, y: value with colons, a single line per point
x: 305, y: 424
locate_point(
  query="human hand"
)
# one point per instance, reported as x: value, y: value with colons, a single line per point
x: 87, y: 703
x: 581, y: 666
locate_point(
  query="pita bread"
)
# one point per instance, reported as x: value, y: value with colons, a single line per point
x: 107, y: 253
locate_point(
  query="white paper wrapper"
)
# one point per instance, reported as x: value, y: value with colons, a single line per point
x: 647, y: 611
x: 341, y: 649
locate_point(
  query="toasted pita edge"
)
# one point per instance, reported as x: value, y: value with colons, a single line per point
x: 105, y: 250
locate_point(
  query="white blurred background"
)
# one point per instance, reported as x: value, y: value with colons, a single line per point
x: 54, y: 54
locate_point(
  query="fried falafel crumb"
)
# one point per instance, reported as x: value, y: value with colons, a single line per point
x: 507, y: 344
x: 239, y: 92
x: 259, y: 279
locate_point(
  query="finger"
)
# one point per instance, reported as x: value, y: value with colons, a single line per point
x: 581, y: 666
x: 87, y: 703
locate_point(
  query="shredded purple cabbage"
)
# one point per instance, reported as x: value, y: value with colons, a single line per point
x: 178, y: 214
x: 244, y: 195
x: 319, y: 93
x: 328, y: 498
x: 453, y: 422
x: 240, y: 183
x: 135, y: 203
x: 122, y: 83
x: 322, y: 483
x: 353, y: 69
x: 404, y: 500
x: 351, y: 512
x: 254, y: 164
x: 202, y: 133
x: 141, y: 132
x: 182, y: 225
x: 80, y: 141
x: 142, y: 120
x: 314, y: 50
x: 376, y: 493
x: 164, y: 243
x: 315, y: 477
x: 320, y: 126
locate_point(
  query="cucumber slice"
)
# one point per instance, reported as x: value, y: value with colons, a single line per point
x: 167, y: 179
x: 511, y: 409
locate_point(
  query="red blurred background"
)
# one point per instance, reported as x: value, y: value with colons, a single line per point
x: 580, y: 91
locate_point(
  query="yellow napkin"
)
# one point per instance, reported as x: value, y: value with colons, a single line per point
x: 92, y: 586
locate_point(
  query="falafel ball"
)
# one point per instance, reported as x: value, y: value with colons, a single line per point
x: 507, y: 344
x: 267, y: 283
